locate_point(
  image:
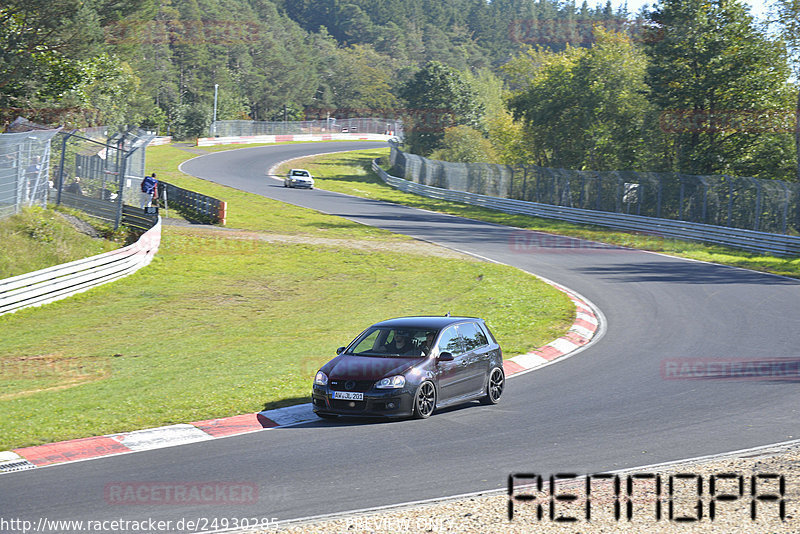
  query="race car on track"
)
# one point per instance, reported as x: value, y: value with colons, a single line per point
x: 298, y: 178
x: 409, y: 367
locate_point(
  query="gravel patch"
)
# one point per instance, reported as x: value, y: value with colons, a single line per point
x: 80, y: 225
x: 411, y: 246
x: 488, y: 513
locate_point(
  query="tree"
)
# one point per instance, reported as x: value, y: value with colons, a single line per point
x: 586, y: 108
x: 788, y: 17
x: 711, y: 68
x: 49, y: 47
x: 464, y: 144
x: 437, y: 98
x: 361, y: 80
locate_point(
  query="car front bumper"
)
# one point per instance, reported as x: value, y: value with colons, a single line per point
x: 376, y: 403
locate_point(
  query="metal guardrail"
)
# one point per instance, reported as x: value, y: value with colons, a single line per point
x: 61, y: 281
x: 762, y: 242
x: 107, y: 211
x: 195, y: 205
x: 758, y: 204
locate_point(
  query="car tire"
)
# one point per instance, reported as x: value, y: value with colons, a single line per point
x: 326, y: 416
x: 424, y: 400
x: 495, y: 385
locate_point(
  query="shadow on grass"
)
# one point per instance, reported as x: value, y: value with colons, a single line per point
x: 368, y: 177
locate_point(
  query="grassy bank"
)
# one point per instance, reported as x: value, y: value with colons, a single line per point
x: 38, y: 238
x: 224, y: 322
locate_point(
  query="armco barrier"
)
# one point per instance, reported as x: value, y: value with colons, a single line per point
x: 249, y: 139
x: 762, y: 242
x: 195, y: 205
x: 161, y: 140
x: 132, y: 217
x: 61, y: 281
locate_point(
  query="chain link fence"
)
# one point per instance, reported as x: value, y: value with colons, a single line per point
x: 373, y: 125
x: 100, y: 171
x: 24, y: 170
x: 754, y: 204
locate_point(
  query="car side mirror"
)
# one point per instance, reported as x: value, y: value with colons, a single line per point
x: 445, y: 357
x: 340, y: 350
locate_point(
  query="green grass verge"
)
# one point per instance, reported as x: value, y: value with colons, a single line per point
x: 226, y: 322
x: 335, y: 172
x: 38, y: 238
x: 254, y: 212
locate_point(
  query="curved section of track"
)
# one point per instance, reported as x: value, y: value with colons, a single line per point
x: 613, y: 406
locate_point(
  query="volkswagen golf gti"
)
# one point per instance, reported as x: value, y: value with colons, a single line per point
x: 409, y: 367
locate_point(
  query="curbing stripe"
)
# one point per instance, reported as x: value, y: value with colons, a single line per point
x: 577, y: 337
x: 165, y: 436
x: 290, y: 415
x: 229, y: 426
x: 583, y: 329
x: 511, y: 367
x: 9, y: 456
x: 563, y: 345
x: 583, y: 332
x: 528, y: 361
x: 70, y: 451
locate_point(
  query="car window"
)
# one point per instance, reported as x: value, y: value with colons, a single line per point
x: 299, y: 173
x: 450, y: 342
x: 368, y: 343
x: 488, y: 333
x: 472, y: 335
x: 424, y: 340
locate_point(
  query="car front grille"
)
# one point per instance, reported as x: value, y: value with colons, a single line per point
x: 354, y: 385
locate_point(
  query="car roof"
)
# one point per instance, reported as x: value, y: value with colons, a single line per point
x: 424, y: 321
x: 299, y: 170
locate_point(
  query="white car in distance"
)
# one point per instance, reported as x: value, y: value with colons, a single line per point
x: 298, y: 178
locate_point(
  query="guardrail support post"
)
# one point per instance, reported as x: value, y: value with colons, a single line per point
x: 122, y: 170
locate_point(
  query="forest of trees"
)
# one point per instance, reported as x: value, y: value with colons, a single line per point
x: 694, y: 86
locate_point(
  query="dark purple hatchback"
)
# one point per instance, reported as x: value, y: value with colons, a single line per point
x: 410, y: 366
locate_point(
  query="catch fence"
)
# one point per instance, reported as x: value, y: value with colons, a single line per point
x: 25, y: 159
x: 375, y: 125
x: 771, y: 206
x: 100, y: 171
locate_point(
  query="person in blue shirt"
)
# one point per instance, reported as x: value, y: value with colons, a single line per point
x: 149, y: 190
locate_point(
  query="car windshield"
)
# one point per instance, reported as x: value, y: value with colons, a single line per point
x: 394, y: 342
x: 299, y: 173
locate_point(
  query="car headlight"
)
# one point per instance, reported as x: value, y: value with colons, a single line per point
x: 321, y: 379
x: 392, y: 382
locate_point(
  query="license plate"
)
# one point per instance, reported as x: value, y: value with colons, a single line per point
x: 348, y: 395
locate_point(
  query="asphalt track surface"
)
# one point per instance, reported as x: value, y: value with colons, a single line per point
x: 610, y: 407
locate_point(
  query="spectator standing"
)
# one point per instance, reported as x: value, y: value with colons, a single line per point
x: 75, y: 187
x: 149, y: 190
